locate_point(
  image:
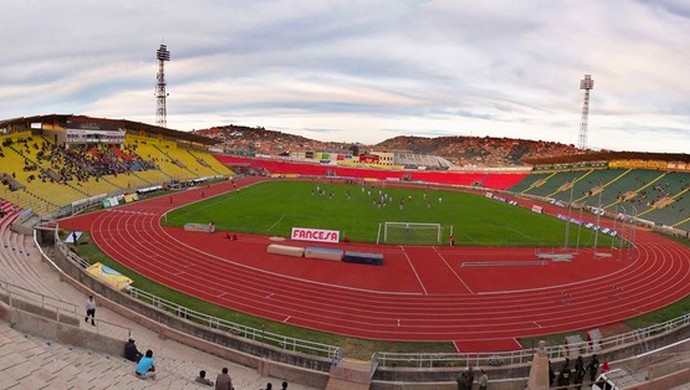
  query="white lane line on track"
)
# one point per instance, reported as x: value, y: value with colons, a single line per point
x: 453, y: 271
x: 414, y: 270
x: 286, y: 319
x: 662, y: 257
x: 535, y: 323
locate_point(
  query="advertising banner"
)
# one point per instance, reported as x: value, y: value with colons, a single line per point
x: 316, y: 235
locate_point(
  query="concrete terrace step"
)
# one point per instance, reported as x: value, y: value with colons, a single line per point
x: 59, y: 367
x: 32, y: 362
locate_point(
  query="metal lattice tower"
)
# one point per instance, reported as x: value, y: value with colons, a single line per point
x: 587, y: 84
x: 161, y: 111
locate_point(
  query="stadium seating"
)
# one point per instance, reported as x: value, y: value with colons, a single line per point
x: 495, y: 181
x: 40, y: 176
x: 174, y: 162
x: 528, y: 182
x: 666, y: 202
x: 659, y: 196
x: 554, y: 183
x: 587, y: 184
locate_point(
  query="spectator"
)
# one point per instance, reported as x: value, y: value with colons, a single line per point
x: 593, y: 368
x: 202, y: 379
x: 146, y: 368
x: 269, y: 386
x: 483, y: 381
x: 284, y: 385
x: 90, y: 310
x: 223, y: 380
x: 564, y: 375
x: 131, y: 351
x: 462, y: 381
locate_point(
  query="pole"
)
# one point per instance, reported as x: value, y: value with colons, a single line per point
x: 579, y: 227
x: 567, y: 223
x: 634, y: 231
x: 615, y: 220
x: 596, y: 232
x: 621, y: 235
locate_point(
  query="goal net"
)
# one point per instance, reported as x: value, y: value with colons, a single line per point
x: 410, y: 233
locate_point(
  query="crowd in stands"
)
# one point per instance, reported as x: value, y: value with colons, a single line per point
x: 658, y: 192
x: 59, y: 164
x: 463, y: 151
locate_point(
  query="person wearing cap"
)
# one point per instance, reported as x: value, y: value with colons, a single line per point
x: 131, y: 351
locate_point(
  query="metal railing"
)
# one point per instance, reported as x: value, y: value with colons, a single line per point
x: 332, y: 352
x: 451, y: 359
x: 16, y: 296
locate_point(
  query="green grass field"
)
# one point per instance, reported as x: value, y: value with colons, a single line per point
x: 273, y: 208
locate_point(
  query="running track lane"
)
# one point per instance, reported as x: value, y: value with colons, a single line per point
x: 656, y: 275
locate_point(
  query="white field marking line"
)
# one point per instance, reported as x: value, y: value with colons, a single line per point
x: 163, y: 232
x: 525, y: 235
x: 453, y: 271
x: 535, y: 323
x: 276, y: 222
x: 444, y: 333
x: 215, y: 199
x: 222, y: 294
x: 269, y: 295
x: 413, y: 270
x: 286, y: 319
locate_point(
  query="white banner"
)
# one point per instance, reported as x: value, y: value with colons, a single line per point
x: 318, y: 235
x: 537, y: 209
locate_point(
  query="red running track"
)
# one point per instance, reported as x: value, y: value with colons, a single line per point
x: 421, y: 293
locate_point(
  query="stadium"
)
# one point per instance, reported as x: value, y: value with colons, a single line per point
x: 385, y: 269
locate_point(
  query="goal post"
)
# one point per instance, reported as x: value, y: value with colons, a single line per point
x: 407, y: 233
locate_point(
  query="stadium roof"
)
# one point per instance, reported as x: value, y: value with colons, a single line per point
x: 608, y: 156
x: 63, y: 119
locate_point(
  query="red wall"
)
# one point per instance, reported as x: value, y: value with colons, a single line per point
x: 499, y: 181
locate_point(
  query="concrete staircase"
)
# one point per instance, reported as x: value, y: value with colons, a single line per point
x: 350, y: 375
x: 34, y: 363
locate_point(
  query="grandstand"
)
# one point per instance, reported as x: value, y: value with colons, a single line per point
x: 420, y: 161
x: 492, y: 180
x: 55, y: 160
x: 138, y: 156
x: 650, y: 186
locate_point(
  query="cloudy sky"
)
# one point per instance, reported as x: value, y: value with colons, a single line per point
x: 361, y: 70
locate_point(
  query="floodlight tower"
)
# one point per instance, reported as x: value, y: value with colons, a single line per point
x: 587, y: 84
x: 161, y: 112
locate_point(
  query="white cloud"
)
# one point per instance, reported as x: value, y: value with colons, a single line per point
x: 344, y: 70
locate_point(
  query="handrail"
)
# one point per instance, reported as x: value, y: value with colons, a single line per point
x: 446, y: 359
x: 388, y: 359
x: 18, y: 293
x: 334, y: 353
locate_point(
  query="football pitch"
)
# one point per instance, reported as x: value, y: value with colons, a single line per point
x: 273, y: 208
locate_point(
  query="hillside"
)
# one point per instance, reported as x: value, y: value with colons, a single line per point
x: 486, y: 151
